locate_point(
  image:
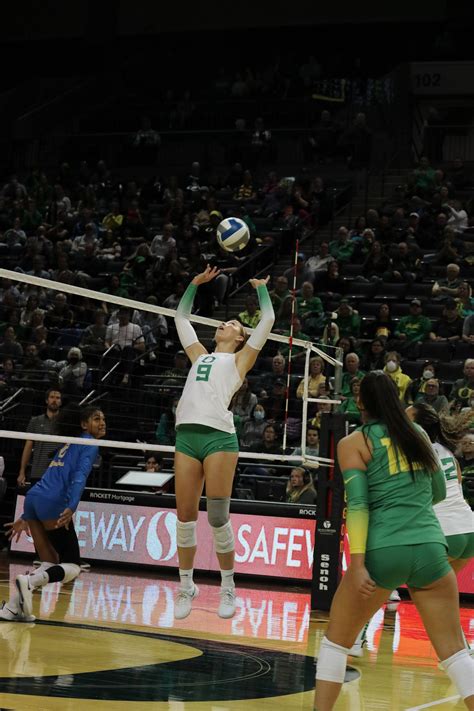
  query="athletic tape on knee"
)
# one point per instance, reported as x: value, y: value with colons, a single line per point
x: 218, y: 508
x: 460, y: 669
x: 186, y: 534
x: 332, y: 662
x: 224, y: 538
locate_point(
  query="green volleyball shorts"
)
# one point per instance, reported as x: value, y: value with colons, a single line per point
x: 415, y: 565
x: 199, y: 441
x: 461, y: 546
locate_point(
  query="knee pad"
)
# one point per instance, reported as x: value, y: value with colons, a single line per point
x: 45, y: 566
x: 223, y: 538
x: 71, y: 571
x: 186, y: 534
x: 332, y: 662
x: 218, y: 508
x: 460, y: 669
x: 63, y: 573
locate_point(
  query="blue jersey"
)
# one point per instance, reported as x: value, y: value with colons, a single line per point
x: 65, y: 478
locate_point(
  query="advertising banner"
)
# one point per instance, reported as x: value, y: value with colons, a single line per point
x: 279, y: 547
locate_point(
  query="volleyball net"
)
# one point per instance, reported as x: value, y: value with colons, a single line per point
x: 121, y: 354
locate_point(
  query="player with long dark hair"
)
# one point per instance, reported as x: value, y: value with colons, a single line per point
x: 49, y: 507
x: 392, y: 478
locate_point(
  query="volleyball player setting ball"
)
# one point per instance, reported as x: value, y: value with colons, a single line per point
x: 206, y: 442
x: 49, y: 507
x: 392, y: 478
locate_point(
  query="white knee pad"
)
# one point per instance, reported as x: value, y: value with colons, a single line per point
x: 45, y: 566
x: 332, y: 662
x: 186, y: 534
x: 71, y: 571
x: 460, y: 669
x: 223, y: 538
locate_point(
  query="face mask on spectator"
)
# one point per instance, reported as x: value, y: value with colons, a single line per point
x: 392, y: 365
x: 428, y: 374
x: 259, y: 415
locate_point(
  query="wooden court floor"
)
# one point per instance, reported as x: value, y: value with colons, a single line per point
x: 108, y: 641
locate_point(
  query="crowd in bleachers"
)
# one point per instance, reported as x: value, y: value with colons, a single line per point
x: 392, y: 290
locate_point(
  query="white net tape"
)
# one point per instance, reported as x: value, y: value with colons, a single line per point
x: 91, y: 397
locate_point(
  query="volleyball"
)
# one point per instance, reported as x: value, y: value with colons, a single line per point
x: 232, y: 234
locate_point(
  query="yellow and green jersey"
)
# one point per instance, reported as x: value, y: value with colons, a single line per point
x: 397, y: 504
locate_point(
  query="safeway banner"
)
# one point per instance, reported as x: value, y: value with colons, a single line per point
x: 265, y: 545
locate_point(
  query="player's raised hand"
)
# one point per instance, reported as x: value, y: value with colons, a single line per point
x: 259, y: 282
x: 207, y: 275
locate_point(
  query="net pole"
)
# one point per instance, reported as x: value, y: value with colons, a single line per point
x: 290, y: 344
x: 338, y: 365
x: 304, y: 424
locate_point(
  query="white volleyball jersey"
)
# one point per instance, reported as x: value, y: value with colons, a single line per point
x: 210, y: 385
x: 454, y: 513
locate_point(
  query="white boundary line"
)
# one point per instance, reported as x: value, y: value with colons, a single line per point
x: 132, y: 304
x: 437, y: 702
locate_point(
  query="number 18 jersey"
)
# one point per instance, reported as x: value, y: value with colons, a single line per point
x: 400, y: 503
x: 210, y: 385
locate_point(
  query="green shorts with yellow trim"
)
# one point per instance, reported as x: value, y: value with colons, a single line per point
x: 416, y: 565
x: 461, y: 546
x: 199, y: 441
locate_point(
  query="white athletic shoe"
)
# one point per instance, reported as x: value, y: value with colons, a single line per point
x: 183, y: 602
x: 6, y: 615
x: 394, y: 596
x: 227, y: 603
x: 26, y: 594
x: 357, y: 649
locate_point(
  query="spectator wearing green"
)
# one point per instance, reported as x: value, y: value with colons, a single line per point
x: 252, y: 314
x: 310, y: 309
x: 462, y: 392
x: 351, y: 371
x: 349, y: 406
x: 424, y: 177
x: 415, y: 327
x: 342, y: 248
x: 466, y: 462
x: 115, y: 288
x: 297, y: 333
x: 348, y: 320
x: 280, y: 291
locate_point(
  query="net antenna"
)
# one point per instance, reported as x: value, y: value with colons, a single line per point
x: 290, y: 351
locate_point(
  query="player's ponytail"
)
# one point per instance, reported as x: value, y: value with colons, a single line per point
x: 380, y: 400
